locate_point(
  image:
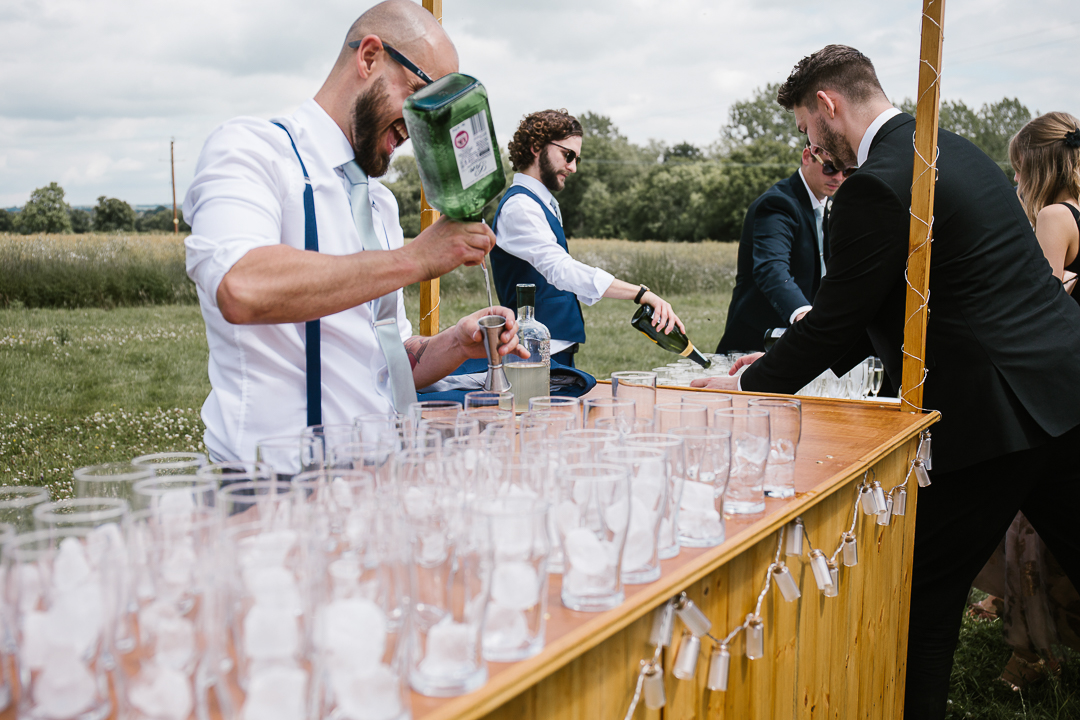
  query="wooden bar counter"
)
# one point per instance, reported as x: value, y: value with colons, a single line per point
x: 841, y: 657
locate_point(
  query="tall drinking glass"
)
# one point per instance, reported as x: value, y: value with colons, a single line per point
x: 167, y: 493
x: 558, y: 402
x: 593, y: 535
x: 110, y: 480
x: 708, y: 460
x: 646, y: 503
x: 428, y: 409
x: 290, y: 454
x: 171, y: 463
x: 678, y: 414
x: 675, y: 457
x: 711, y: 400
x: 601, y: 407
x: 598, y: 440
x: 637, y: 386
x: 785, y: 430
x: 749, y: 428
x: 17, y: 505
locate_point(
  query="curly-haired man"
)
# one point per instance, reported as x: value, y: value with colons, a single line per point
x: 531, y: 245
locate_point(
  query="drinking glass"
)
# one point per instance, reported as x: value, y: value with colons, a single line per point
x: 675, y: 457
x: 290, y: 454
x: 486, y: 416
x: 375, y: 456
x: 624, y: 428
x: 171, y: 463
x: 678, y: 414
x: 17, y: 505
x: 647, y: 468
x: 109, y: 480
x: 88, y: 512
x: 265, y: 503
x: 429, y: 409
x: 637, y: 386
x: 389, y: 427
x: 877, y: 376
x: 329, y: 437
x: 785, y: 429
x: 593, y: 535
x: 597, y: 439
x: 539, y: 424
x: 708, y: 461
x: 712, y: 401
x: 166, y: 493
x: 514, y: 621
x: 549, y: 456
x: 60, y: 591
x: 485, y: 399
x: 446, y: 427
x: 228, y: 473
x: 558, y: 402
x: 595, y: 408
x: 749, y: 428
x: 450, y: 574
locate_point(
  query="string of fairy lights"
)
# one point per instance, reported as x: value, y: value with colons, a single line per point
x: 792, y: 540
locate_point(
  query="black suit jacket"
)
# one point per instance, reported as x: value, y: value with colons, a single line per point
x: 1003, y: 337
x: 779, y: 268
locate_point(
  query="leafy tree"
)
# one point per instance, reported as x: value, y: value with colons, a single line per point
x: 406, y: 188
x: 760, y: 118
x: 677, y: 201
x: 112, y: 214
x: 160, y: 219
x: 989, y: 127
x: 81, y: 220
x: 683, y: 152
x: 751, y: 170
x: 7, y: 221
x: 45, y: 211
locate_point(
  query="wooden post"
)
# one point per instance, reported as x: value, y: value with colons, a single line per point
x: 924, y: 177
x: 429, y: 290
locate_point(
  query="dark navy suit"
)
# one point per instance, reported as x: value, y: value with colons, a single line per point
x: 779, y: 268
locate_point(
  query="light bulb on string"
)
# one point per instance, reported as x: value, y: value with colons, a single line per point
x: 925, y: 454
x: 851, y: 549
x: 868, y: 501
x: 899, y: 506
x: 920, y: 473
x: 885, y: 516
x: 663, y: 626
x: 692, y: 616
x: 755, y: 637
x: 833, y: 588
x: 654, y: 687
x: 719, y: 668
x: 786, y: 582
x: 820, y: 565
x: 687, y: 657
x: 879, y: 496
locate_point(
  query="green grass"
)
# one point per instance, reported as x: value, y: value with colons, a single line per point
x: 92, y: 385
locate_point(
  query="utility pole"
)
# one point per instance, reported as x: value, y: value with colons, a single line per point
x: 172, y: 168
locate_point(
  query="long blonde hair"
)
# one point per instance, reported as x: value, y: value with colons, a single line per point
x: 1046, y: 161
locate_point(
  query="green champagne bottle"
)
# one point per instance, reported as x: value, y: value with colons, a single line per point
x: 675, y: 341
x: 453, y: 137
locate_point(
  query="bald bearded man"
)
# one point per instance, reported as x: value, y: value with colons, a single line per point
x: 299, y: 337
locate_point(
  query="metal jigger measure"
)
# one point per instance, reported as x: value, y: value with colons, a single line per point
x: 496, y: 379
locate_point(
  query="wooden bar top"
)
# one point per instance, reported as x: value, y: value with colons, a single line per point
x: 840, y: 439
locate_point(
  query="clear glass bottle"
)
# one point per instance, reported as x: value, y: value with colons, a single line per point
x: 529, y: 378
x: 453, y: 138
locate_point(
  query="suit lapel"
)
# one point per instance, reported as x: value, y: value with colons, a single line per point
x: 889, y: 127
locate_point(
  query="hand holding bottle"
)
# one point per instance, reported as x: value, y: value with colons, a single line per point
x: 664, y: 318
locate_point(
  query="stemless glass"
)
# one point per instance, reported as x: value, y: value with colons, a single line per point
x: 597, y: 439
x: 558, y: 402
x: 485, y: 399
x: 678, y: 414
x: 290, y: 454
x: 624, y: 428
x: 384, y: 427
x: 648, y: 471
x: 712, y: 401
x: 109, y: 480
x: 487, y: 415
x: 229, y: 473
x: 708, y: 461
x: 637, y: 386
x: 599, y: 407
x: 675, y: 457
x: 515, y: 618
x: 330, y: 436
x: 89, y: 512
x: 592, y: 535
x: 446, y: 428
x: 17, y: 505
x: 376, y: 457
x: 60, y: 593
x: 166, y: 493
x: 427, y: 409
x: 785, y: 429
x: 749, y: 428
x: 171, y: 463
x: 540, y: 424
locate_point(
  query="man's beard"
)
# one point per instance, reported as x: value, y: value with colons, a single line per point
x: 836, y: 145
x: 548, y: 176
x: 369, y: 129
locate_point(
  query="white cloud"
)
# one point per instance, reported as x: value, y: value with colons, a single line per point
x: 93, y: 91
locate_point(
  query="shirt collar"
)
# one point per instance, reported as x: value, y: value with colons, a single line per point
x: 538, y: 188
x: 814, y: 202
x: 872, y: 131
x: 324, y: 135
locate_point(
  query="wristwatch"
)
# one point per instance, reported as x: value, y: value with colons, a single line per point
x: 640, y: 293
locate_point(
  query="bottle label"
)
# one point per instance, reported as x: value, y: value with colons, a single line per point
x: 689, y: 349
x: 473, y: 150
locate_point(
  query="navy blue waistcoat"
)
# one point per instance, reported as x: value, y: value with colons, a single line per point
x: 558, y: 309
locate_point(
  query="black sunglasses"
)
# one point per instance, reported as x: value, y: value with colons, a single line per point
x: 568, y: 154
x: 400, y: 60
x: 827, y: 168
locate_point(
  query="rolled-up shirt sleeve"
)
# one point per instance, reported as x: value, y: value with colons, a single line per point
x: 523, y: 231
x: 235, y: 199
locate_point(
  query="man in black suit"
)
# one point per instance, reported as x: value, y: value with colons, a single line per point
x: 782, y: 254
x: 1002, y: 347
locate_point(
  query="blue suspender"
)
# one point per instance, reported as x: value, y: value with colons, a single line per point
x: 311, y: 328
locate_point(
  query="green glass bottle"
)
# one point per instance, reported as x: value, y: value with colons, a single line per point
x: 453, y: 137
x: 675, y: 341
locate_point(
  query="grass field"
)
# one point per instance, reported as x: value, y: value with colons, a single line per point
x: 83, y: 386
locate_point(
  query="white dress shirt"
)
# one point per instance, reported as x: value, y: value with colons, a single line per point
x: 872, y: 131
x: 248, y: 193
x: 523, y: 231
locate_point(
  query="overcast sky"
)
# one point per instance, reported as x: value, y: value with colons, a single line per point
x: 91, y: 91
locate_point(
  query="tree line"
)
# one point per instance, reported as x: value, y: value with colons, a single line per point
x: 48, y: 212
x: 687, y: 193
x: 655, y: 191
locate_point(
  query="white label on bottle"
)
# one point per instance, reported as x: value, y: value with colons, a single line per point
x: 472, y: 149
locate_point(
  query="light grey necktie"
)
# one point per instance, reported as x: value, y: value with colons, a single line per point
x: 555, y: 209
x: 397, y: 360
x: 819, y: 218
